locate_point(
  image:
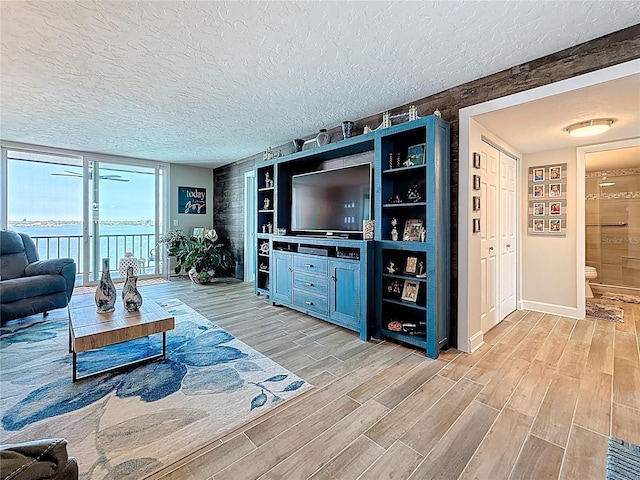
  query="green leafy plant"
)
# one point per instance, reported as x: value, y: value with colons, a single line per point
x: 204, y: 255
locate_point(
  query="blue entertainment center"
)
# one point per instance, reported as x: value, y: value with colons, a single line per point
x: 311, y: 254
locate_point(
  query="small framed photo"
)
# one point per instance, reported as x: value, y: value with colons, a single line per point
x: 555, y: 208
x: 198, y: 232
x: 538, y: 209
x: 538, y: 226
x: 410, y: 290
x: 476, y: 204
x: 413, y: 230
x: 415, y: 155
x: 555, y: 173
x: 554, y: 226
x: 555, y: 190
x: 538, y: 174
x: 476, y: 182
x: 476, y: 225
x: 476, y: 160
x: 411, y: 266
x: 538, y: 191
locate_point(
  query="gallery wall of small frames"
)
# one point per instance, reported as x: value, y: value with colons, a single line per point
x: 547, y: 200
x: 476, y: 197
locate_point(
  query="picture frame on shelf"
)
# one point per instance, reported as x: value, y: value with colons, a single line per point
x: 476, y: 204
x: 555, y: 190
x: 555, y: 208
x: 198, y: 232
x: 410, y: 291
x: 476, y: 160
x: 555, y: 173
x: 413, y: 230
x: 555, y: 225
x: 476, y: 182
x: 415, y: 155
x: 411, y: 265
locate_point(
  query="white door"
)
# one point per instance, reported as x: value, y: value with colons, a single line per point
x: 507, y: 228
x: 489, y: 163
x: 249, y: 226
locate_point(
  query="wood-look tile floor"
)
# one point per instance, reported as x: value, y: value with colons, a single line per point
x: 538, y: 400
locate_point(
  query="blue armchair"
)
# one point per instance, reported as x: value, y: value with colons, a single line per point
x: 29, y: 285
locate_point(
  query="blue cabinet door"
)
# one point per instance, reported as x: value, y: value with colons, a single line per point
x: 282, y: 275
x: 345, y: 293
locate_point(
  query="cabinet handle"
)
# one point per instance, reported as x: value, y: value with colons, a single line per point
x: 490, y: 248
x: 333, y: 277
x: 309, y: 303
x: 508, y: 245
x: 290, y: 269
x: 308, y: 284
x: 308, y: 265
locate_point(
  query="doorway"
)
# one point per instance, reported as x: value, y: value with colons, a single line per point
x: 612, y: 215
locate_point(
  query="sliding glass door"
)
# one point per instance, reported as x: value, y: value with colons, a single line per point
x: 86, y: 209
x: 125, y: 220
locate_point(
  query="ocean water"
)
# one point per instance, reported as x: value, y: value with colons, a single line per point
x: 115, y: 241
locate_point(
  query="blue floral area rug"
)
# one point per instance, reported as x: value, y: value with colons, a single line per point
x: 133, y: 422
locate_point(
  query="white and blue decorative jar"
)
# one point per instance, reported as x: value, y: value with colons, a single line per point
x: 131, y: 298
x: 106, y: 291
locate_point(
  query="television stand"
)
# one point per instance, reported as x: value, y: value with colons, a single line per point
x: 324, y: 278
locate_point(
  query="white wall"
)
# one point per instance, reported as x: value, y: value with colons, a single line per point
x: 549, y: 264
x: 185, y: 176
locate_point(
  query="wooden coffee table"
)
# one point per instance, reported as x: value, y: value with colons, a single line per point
x: 89, y: 330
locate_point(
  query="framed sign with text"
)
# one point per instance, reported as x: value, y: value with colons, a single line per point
x: 192, y: 200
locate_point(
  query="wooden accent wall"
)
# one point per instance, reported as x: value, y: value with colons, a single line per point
x: 612, y: 49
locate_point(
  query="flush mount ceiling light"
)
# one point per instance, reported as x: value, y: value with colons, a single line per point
x: 590, y: 127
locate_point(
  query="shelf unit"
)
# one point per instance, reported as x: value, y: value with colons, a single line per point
x: 413, y: 197
x: 265, y: 224
x: 416, y: 194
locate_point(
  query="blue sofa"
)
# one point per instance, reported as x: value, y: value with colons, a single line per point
x: 29, y: 285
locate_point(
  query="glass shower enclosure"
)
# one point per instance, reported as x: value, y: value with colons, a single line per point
x: 612, y: 217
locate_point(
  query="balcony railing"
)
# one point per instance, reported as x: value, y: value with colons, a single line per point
x: 113, y: 247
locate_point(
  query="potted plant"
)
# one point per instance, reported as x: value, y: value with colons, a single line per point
x: 202, y: 257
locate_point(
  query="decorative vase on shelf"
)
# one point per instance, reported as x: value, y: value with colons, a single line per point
x: 347, y: 129
x: 323, y: 138
x: 131, y: 298
x: 298, y: 143
x: 106, y: 291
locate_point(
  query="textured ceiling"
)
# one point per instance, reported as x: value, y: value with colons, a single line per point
x: 213, y: 82
x: 540, y: 125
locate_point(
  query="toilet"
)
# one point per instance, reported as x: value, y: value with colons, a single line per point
x: 590, y: 273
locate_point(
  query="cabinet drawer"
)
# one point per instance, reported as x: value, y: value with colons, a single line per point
x: 312, y: 303
x: 310, y: 283
x: 310, y: 264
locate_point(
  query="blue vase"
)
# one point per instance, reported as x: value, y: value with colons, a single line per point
x: 106, y: 292
x: 347, y: 129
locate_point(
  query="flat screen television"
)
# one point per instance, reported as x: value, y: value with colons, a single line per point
x: 331, y: 201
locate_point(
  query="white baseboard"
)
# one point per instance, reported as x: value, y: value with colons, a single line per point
x: 570, y: 312
x: 476, y: 341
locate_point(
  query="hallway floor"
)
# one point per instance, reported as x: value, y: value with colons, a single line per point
x: 538, y: 400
